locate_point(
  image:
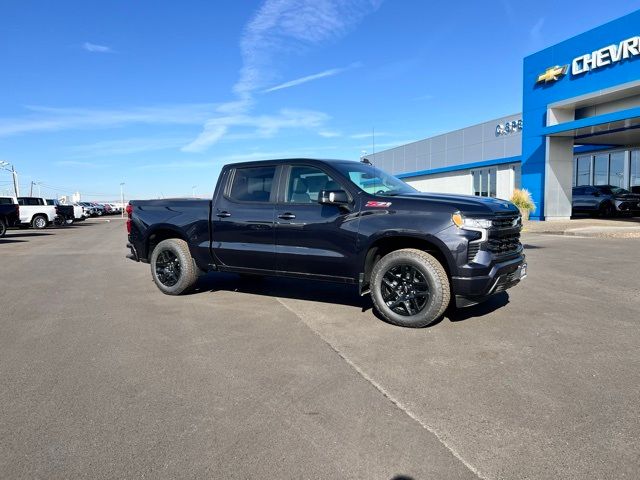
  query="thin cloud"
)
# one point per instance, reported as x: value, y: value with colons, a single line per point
x: 95, y: 48
x: 260, y: 126
x: 126, y: 146
x: 536, y: 38
x: 329, y: 134
x: 369, y: 135
x: 310, y: 78
x: 280, y: 28
x: 74, y: 163
x: 48, y: 119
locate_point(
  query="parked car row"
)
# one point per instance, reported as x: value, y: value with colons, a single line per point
x: 39, y: 213
x: 99, y: 209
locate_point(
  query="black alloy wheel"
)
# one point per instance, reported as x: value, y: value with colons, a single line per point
x: 405, y: 290
x: 168, y: 269
x: 607, y: 210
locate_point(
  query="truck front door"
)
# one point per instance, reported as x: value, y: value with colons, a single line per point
x: 243, y: 233
x: 311, y: 238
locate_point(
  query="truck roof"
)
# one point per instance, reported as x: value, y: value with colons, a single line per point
x: 278, y: 161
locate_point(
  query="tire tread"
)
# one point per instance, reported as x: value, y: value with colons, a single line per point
x: 441, y: 275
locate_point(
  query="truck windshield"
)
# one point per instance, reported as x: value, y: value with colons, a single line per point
x: 373, y: 180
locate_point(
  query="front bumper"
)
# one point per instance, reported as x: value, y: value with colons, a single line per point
x: 471, y: 290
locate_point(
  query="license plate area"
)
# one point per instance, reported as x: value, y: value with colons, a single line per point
x: 523, y: 271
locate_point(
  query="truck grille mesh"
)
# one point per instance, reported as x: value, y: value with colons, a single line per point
x: 504, y: 237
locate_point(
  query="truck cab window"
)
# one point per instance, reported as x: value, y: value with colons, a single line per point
x: 305, y: 183
x: 252, y: 184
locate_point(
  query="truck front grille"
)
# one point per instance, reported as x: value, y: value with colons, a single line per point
x: 504, y: 236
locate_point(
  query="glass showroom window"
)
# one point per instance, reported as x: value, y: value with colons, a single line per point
x: 484, y: 182
x: 616, y: 169
x: 583, y: 175
x: 601, y: 169
x: 634, y: 171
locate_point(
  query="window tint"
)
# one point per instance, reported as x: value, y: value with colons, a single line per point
x: 601, y: 169
x: 6, y: 201
x: 252, y: 184
x: 616, y: 169
x: 634, y: 170
x: 305, y: 184
x: 583, y: 171
x: 29, y: 201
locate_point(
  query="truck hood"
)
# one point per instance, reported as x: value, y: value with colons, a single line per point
x: 466, y: 204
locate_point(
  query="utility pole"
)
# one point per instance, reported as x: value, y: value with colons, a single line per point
x: 193, y: 191
x: 16, y: 185
x: 122, y: 198
x: 31, y: 189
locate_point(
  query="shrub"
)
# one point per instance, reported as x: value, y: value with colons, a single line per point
x: 521, y: 198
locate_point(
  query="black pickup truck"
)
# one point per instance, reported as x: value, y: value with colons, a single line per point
x: 9, y: 214
x: 336, y: 220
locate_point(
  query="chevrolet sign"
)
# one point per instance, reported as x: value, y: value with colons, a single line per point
x: 609, y: 55
x: 552, y: 74
x: 606, y: 56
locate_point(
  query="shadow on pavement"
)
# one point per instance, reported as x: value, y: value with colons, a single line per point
x: 8, y: 240
x: 298, y: 289
x: 494, y: 302
x: 29, y: 234
x: 326, y: 292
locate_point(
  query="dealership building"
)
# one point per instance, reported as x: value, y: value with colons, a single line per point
x: 580, y: 125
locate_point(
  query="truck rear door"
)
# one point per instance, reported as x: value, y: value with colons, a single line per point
x: 242, y: 219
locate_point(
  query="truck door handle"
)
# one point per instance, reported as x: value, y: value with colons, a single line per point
x: 223, y: 214
x: 287, y: 216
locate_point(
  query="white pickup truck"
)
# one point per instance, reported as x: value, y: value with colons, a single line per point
x: 35, y: 212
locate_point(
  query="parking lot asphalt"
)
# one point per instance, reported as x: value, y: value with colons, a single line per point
x: 102, y: 376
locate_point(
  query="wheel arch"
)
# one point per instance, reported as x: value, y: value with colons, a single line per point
x: 388, y: 243
x: 158, y: 234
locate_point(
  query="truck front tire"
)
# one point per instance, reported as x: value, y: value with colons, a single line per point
x: 410, y: 288
x: 172, y: 267
x: 3, y: 228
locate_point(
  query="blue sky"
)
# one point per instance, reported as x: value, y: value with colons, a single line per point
x: 160, y: 94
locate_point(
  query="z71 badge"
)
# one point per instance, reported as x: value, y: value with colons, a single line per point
x: 378, y: 204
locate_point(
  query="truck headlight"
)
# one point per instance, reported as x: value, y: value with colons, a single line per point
x: 470, y: 223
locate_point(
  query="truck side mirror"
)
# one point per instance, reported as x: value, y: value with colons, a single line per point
x: 333, y: 197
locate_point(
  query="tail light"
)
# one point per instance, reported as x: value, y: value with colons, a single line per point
x: 129, y: 210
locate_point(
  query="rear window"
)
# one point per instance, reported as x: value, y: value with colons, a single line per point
x: 6, y: 201
x: 252, y: 184
x: 29, y: 201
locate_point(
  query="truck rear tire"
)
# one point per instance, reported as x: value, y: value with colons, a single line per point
x: 3, y: 228
x: 39, y: 222
x: 172, y: 267
x: 410, y: 288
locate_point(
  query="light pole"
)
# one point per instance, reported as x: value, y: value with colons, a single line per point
x: 193, y: 191
x: 122, y: 199
x: 16, y: 186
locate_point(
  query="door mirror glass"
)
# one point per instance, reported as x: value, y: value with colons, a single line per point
x: 333, y: 197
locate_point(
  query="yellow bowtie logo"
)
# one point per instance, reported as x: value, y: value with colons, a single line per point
x: 552, y: 74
